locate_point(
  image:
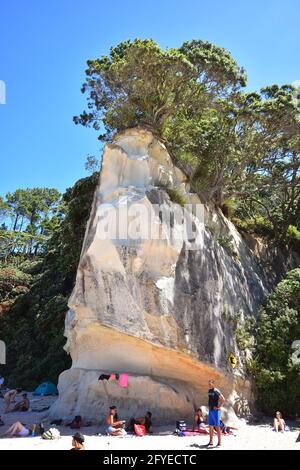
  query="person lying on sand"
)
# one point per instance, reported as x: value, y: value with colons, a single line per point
x: 226, y: 429
x: 114, y: 426
x: 199, y: 421
x: 279, y: 423
x: 145, y: 421
x: 20, y: 430
x: 23, y: 405
x: 78, y: 441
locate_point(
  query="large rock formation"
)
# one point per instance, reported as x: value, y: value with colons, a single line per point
x: 162, y: 310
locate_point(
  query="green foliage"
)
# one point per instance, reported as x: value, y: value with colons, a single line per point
x: 293, y: 237
x: 227, y: 243
x: 229, y: 207
x: 244, y: 334
x: 30, y: 216
x: 240, y: 150
x: 13, y: 281
x: 33, y: 327
x: 141, y: 84
x: 256, y: 225
x: 174, y: 194
x: 277, y: 376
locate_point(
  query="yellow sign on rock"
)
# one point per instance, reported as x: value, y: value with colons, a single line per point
x: 232, y: 361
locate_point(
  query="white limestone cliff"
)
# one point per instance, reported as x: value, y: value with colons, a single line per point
x: 157, y: 309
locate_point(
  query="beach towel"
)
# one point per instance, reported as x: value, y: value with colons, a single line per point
x: 193, y: 433
x: 123, y: 380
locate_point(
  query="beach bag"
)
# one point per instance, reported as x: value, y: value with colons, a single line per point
x: 139, y: 430
x: 181, y: 426
x: 51, y: 434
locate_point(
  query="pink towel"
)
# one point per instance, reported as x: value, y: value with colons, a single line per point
x: 123, y: 380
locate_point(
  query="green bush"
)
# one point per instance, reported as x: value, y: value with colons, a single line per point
x: 277, y: 376
x: 258, y: 225
x: 293, y: 237
x: 33, y: 327
x: 174, y: 194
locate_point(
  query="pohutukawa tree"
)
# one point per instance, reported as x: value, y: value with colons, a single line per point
x: 238, y: 149
x: 141, y: 84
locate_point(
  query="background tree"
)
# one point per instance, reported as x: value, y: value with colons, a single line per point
x: 277, y: 375
x: 272, y: 185
x: 34, y: 214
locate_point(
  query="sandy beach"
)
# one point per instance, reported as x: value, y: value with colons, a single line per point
x: 248, y: 437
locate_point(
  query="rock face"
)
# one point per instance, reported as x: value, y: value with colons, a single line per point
x: 161, y: 309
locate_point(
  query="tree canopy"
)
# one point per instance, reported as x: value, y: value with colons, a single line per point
x: 29, y: 217
x: 237, y: 148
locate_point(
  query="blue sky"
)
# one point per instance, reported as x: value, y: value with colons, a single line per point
x: 44, y: 45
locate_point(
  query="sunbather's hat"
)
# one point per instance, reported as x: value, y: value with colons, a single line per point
x: 78, y: 437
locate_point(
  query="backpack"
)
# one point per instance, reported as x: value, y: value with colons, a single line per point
x: 181, y: 426
x: 140, y: 430
x: 51, y: 434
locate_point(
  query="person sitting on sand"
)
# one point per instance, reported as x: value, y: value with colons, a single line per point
x: 114, y: 426
x: 279, y: 423
x: 23, y: 405
x: 20, y: 430
x: 8, y: 398
x: 226, y: 429
x: 199, y: 421
x: 78, y: 441
x: 145, y: 421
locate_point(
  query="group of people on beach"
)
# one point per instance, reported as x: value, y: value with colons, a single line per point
x: 117, y: 427
x: 210, y: 424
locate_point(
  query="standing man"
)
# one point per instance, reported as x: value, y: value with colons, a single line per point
x: 215, y: 402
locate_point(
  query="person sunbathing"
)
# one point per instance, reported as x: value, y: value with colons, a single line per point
x: 279, y: 423
x: 8, y: 398
x: 23, y: 405
x: 20, y: 430
x: 78, y: 441
x: 114, y: 425
x: 226, y: 429
x: 145, y: 421
x: 199, y: 421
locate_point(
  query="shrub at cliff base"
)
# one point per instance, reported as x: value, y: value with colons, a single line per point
x: 277, y: 364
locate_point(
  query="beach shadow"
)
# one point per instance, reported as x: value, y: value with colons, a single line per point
x: 203, y: 447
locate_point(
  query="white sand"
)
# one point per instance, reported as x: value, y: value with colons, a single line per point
x: 247, y: 437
